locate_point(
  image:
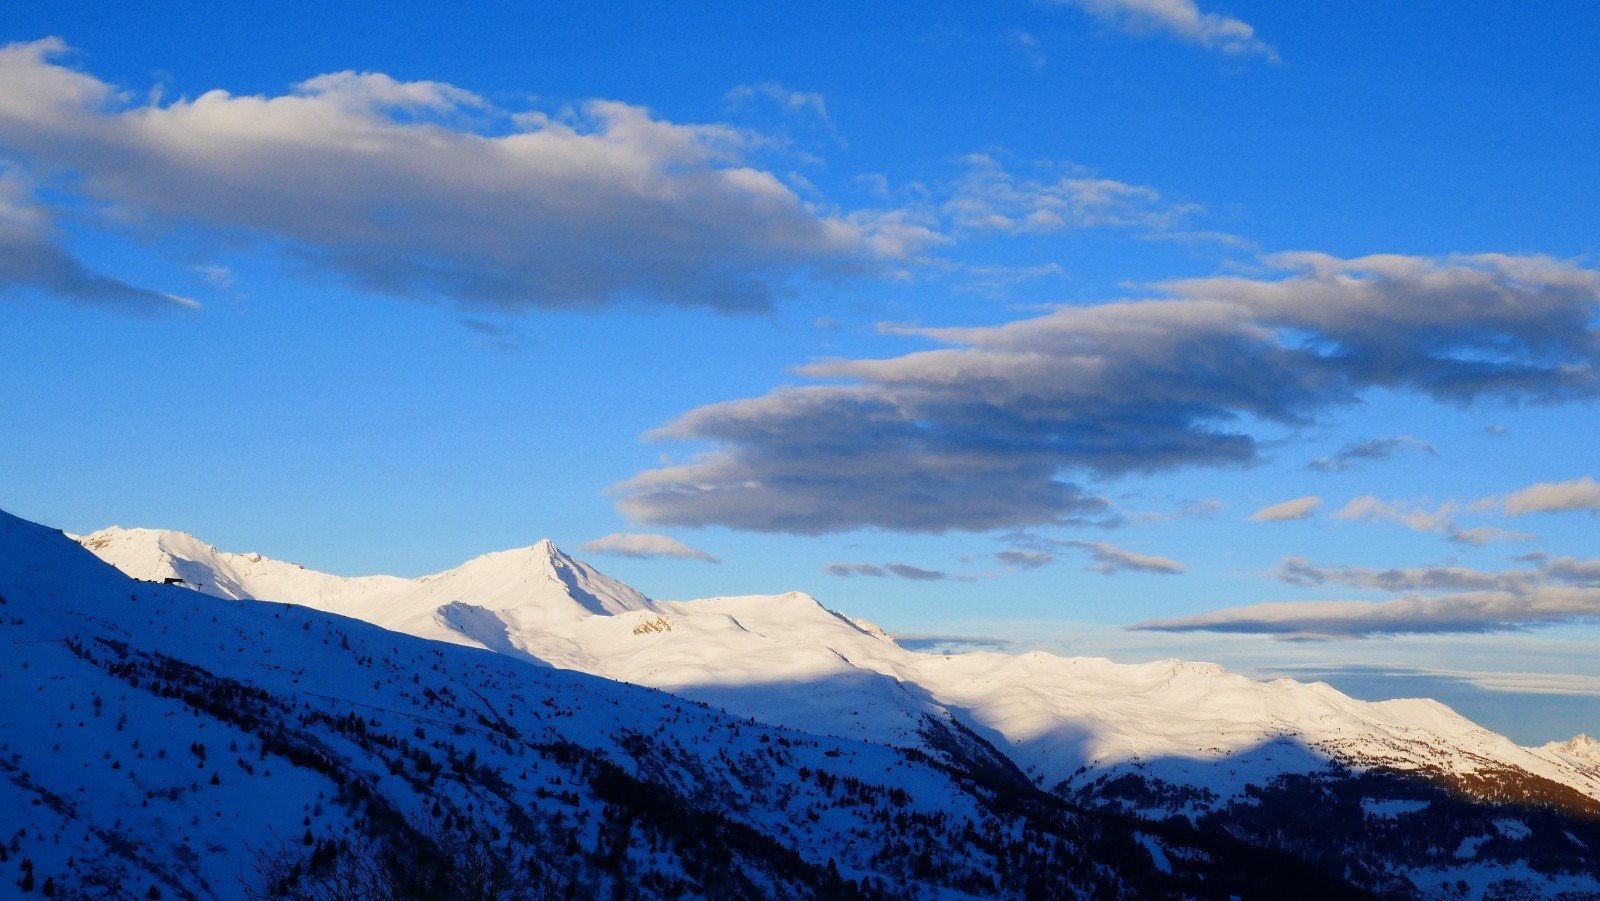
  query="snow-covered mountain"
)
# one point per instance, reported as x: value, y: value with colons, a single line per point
x: 159, y: 743
x: 1579, y: 748
x: 1294, y: 766
x: 749, y: 655
x: 1073, y: 724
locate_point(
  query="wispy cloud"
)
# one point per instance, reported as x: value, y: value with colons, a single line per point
x: 1299, y: 508
x: 31, y: 261
x: 1440, y: 599
x: 1299, y: 571
x: 1482, y: 535
x: 988, y: 431
x: 1180, y: 19
x: 786, y: 99
x: 1415, y: 517
x: 990, y: 198
x: 216, y: 276
x: 1204, y: 509
x: 1561, y: 684
x: 902, y: 570
x: 642, y: 545
x: 424, y: 189
x: 954, y: 644
x: 1555, y: 497
x: 1350, y: 455
x: 1437, y: 519
x: 1110, y: 560
x: 996, y: 280
x: 1025, y: 559
x: 1479, y: 611
x: 1028, y: 46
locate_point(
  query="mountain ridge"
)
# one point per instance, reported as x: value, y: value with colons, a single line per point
x: 1070, y: 723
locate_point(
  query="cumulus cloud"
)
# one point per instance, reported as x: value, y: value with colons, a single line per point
x: 644, y: 544
x: 1180, y: 19
x: 425, y: 189
x: 992, y: 429
x: 1440, y: 599
x: 1299, y: 508
x: 1110, y: 560
x: 32, y: 262
x: 902, y: 570
x: 1375, y: 449
x: 1554, y: 497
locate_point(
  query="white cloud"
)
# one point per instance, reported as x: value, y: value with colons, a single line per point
x: 1552, y: 497
x: 1299, y: 508
x: 1181, y: 19
x: 425, y: 189
x: 644, y: 544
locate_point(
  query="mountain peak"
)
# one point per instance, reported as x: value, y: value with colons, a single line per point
x: 1580, y: 745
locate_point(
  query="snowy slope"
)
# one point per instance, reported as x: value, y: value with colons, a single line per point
x: 157, y: 742
x: 1070, y: 723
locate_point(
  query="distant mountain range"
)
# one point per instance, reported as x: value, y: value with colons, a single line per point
x: 779, y: 750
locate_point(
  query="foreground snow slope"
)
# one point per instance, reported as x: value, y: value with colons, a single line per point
x: 1070, y: 723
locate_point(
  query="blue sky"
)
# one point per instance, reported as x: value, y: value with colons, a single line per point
x: 1003, y: 321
